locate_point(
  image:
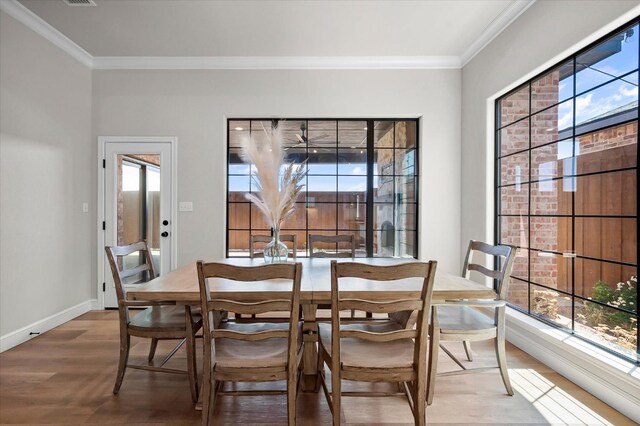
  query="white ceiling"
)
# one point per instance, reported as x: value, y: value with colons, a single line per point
x: 188, y: 28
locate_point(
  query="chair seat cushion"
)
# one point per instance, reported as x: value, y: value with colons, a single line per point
x: 462, y: 319
x: 168, y: 317
x: 359, y: 353
x: 268, y: 353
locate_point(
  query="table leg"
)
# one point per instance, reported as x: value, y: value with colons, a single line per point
x: 310, y: 351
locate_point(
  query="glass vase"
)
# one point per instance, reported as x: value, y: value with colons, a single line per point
x: 276, y: 251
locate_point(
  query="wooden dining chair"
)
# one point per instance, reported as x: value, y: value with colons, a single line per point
x: 251, y: 352
x: 159, y: 321
x: 459, y: 321
x: 332, y: 239
x: 377, y: 352
x: 254, y: 252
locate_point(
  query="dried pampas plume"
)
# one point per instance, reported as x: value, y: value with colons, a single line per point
x: 275, y: 198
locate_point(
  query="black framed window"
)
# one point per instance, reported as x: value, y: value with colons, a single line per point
x: 567, y: 194
x: 362, y: 179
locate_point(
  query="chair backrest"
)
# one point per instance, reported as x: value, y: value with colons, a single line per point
x: 117, y: 265
x: 423, y: 271
x: 334, y: 239
x: 506, y: 256
x: 253, y: 239
x: 289, y: 302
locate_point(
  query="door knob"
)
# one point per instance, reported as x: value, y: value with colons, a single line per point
x: 165, y: 234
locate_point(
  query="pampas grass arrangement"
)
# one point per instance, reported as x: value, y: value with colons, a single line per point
x: 275, y: 197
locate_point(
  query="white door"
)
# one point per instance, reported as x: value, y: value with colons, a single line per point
x: 137, y: 205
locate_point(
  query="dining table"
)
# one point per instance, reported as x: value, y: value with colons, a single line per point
x: 181, y: 286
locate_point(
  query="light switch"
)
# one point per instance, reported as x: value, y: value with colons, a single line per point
x: 185, y: 206
x: 85, y: 207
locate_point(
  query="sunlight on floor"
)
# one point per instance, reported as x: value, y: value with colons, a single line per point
x: 556, y: 405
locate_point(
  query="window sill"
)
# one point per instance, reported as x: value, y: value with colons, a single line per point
x: 606, y: 376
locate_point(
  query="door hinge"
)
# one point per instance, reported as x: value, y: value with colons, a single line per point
x: 104, y: 287
x: 104, y: 163
x: 104, y: 225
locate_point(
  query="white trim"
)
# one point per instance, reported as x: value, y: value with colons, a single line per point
x: 274, y: 62
x: 499, y: 24
x: 102, y: 141
x: 609, y: 378
x: 21, y: 335
x: 32, y: 21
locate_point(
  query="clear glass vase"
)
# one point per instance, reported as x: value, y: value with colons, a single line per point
x: 276, y: 251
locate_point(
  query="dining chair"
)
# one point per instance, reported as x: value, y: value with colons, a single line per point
x: 377, y: 352
x: 254, y: 252
x: 332, y: 239
x: 459, y: 321
x: 337, y: 253
x: 159, y: 321
x: 251, y: 352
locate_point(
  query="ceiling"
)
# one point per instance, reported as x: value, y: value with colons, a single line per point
x: 188, y: 28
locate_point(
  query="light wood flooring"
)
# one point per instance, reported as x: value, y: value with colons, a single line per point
x: 66, y: 376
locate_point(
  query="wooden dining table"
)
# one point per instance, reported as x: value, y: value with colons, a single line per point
x: 181, y: 286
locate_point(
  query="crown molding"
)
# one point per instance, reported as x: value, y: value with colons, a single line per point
x: 499, y: 24
x: 32, y: 21
x: 276, y: 62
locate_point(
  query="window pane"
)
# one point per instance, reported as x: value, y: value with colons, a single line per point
x: 608, y: 149
x: 240, y: 185
x: 352, y: 188
x: 383, y: 189
x: 405, y: 162
x: 322, y: 188
x: 238, y: 243
x: 514, y: 106
x: 551, y: 233
x: 322, y: 161
x: 606, y: 238
x: 239, y: 215
x: 603, y: 104
x: 550, y: 197
x: 514, y: 230
x: 612, y: 58
x: 405, y: 190
x: 383, y: 162
x: 406, y: 216
x: 298, y: 220
x: 551, y: 270
x: 514, y: 169
x: 382, y: 215
x: 258, y: 220
x: 238, y: 133
x: 514, y: 138
x: 518, y: 293
x: 552, y: 124
x: 551, y: 305
x: 322, y: 133
x: 352, y: 162
x: 514, y: 199
x: 322, y: 216
x: 554, y: 160
x: 383, y: 134
x: 606, y: 326
x: 520, y: 267
x: 596, y: 279
x: 351, y: 216
x: 607, y: 194
x: 352, y: 134
x: 405, y: 134
x: 552, y: 88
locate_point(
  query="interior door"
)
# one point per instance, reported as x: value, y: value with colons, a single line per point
x: 137, y: 206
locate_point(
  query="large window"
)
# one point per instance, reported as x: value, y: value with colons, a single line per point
x: 567, y: 194
x: 361, y: 179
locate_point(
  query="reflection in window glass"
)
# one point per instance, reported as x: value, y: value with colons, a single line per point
x: 578, y: 215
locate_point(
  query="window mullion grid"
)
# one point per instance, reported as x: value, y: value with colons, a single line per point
x: 337, y: 178
x: 529, y: 209
x: 637, y: 238
x: 574, y: 172
x: 369, y: 212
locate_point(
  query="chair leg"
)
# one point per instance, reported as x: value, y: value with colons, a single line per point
x: 467, y: 349
x: 125, y: 341
x: 420, y: 402
x: 292, y: 393
x: 208, y: 397
x: 192, y: 367
x: 336, y: 394
x: 502, y: 363
x: 434, y: 346
x: 319, y: 369
x: 152, y: 349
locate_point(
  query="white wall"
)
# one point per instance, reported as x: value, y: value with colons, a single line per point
x: 46, y: 242
x: 546, y: 33
x: 192, y: 105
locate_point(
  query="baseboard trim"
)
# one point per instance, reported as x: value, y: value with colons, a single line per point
x: 21, y: 335
x: 609, y: 378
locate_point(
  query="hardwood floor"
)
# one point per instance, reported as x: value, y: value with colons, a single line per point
x: 66, y: 376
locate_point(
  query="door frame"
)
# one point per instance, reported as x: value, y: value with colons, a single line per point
x: 102, y: 145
